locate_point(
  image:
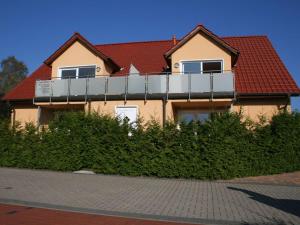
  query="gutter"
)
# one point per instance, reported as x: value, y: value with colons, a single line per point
x: 279, y: 94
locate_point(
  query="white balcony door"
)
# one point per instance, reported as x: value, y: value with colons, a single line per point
x: 128, y: 112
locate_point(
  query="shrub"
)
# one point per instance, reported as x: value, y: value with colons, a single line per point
x: 221, y: 148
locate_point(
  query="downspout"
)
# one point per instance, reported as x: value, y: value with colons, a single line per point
x: 164, y: 103
x: 39, y: 117
x: 89, y: 107
x: 13, y: 111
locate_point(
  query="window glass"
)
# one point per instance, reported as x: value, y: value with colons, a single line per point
x: 212, y: 67
x: 203, y: 116
x: 68, y: 73
x: 189, y: 116
x: 87, y: 72
x: 128, y: 113
x: 186, y: 117
x: 191, y: 67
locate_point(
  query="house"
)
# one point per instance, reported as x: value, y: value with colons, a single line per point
x: 185, y: 79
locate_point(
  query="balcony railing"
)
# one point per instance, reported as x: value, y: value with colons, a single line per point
x: 148, y: 86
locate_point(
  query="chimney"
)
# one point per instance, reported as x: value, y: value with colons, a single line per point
x: 174, y: 39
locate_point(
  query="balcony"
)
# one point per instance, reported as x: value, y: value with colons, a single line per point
x: 150, y: 86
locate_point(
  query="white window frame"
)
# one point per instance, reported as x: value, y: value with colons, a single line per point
x: 201, y: 63
x: 196, y: 111
x: 193, y: 112
x: 60, y: 69
x: 128, y: 106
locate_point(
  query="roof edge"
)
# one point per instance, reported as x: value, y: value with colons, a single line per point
x: 201, y: 28
x: 78, y: 37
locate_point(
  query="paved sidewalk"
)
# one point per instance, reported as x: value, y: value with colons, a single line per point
x: 168, y: 199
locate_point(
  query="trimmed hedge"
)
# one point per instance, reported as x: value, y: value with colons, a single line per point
x: 221, y: 148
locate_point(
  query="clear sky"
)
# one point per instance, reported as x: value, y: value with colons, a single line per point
x: 32, y: 30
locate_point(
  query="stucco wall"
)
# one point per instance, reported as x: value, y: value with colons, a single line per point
x: 153, y: 109
x: 255, y: 108
x: 147, y: 110
x: 25, y: 114
x: 200, y: 48
x: 78, y: 55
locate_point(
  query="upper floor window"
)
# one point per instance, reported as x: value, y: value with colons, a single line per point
x: 77, y: 72
x: 198, y: 67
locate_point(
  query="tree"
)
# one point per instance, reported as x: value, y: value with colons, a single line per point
x: 12, y: 71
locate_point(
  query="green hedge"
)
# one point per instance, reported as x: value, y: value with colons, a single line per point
x: 221, y: 148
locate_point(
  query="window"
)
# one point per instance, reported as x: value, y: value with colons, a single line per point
x: 212, y: 66
x: 188, y: 116
x: 68, y: 73
x: 127, y: 112
x: 77, y: 72
x: 191, y: 67
x: 199, y: 67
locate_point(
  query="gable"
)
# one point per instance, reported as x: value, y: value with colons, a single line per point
x: 78, y: 55
x: 199, y: 47
x: 259, y: 70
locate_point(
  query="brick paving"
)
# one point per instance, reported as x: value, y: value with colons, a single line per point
x: 153, y: 198
x: 16, y: 215
x: 283, y: 179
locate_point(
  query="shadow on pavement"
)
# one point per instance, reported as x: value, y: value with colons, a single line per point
x: 286, y: 205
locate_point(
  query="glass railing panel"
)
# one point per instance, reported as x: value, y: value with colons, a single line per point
x: 59, y: 88
x: 77, y: 87
x: 43, y: 88
x: 178, y: 84
x: 116, y: 85
x: 96, y: 86
x: 157, y: 84
x: 223, y: 82
x: 200, y: 83
x: 136, y: 84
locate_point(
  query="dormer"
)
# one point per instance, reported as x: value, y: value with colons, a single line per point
x: 78, y: 58
x: 201, y: 51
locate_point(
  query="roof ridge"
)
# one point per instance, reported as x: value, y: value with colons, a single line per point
x: 169, y: 40
x: 133, y: 42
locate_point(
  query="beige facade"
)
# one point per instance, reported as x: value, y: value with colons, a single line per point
x: 78, y: 55
x: 24, y: 114
x: 254, y: 109
x: 158, y: 110
x: 147, y: 110
x: 200, y: 48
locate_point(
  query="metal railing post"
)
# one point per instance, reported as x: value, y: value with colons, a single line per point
x: 68, y: 94
x: 105, y: 89
x: 168, y: 87
x: 234, y: 92
x: 126, y: 88
x: 146, y: 87
x: 51, y: 92
x: 86, y: 88
x: 189, y: 85
x: 211, y: 86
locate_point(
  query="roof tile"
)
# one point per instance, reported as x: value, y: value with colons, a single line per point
x: 259, y: 70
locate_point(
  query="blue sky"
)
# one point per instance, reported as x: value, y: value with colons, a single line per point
x: 32, y: 30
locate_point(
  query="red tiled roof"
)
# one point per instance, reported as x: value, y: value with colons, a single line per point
x: 259, y: 70
x: 25, y: 89
x: 147, y: 57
